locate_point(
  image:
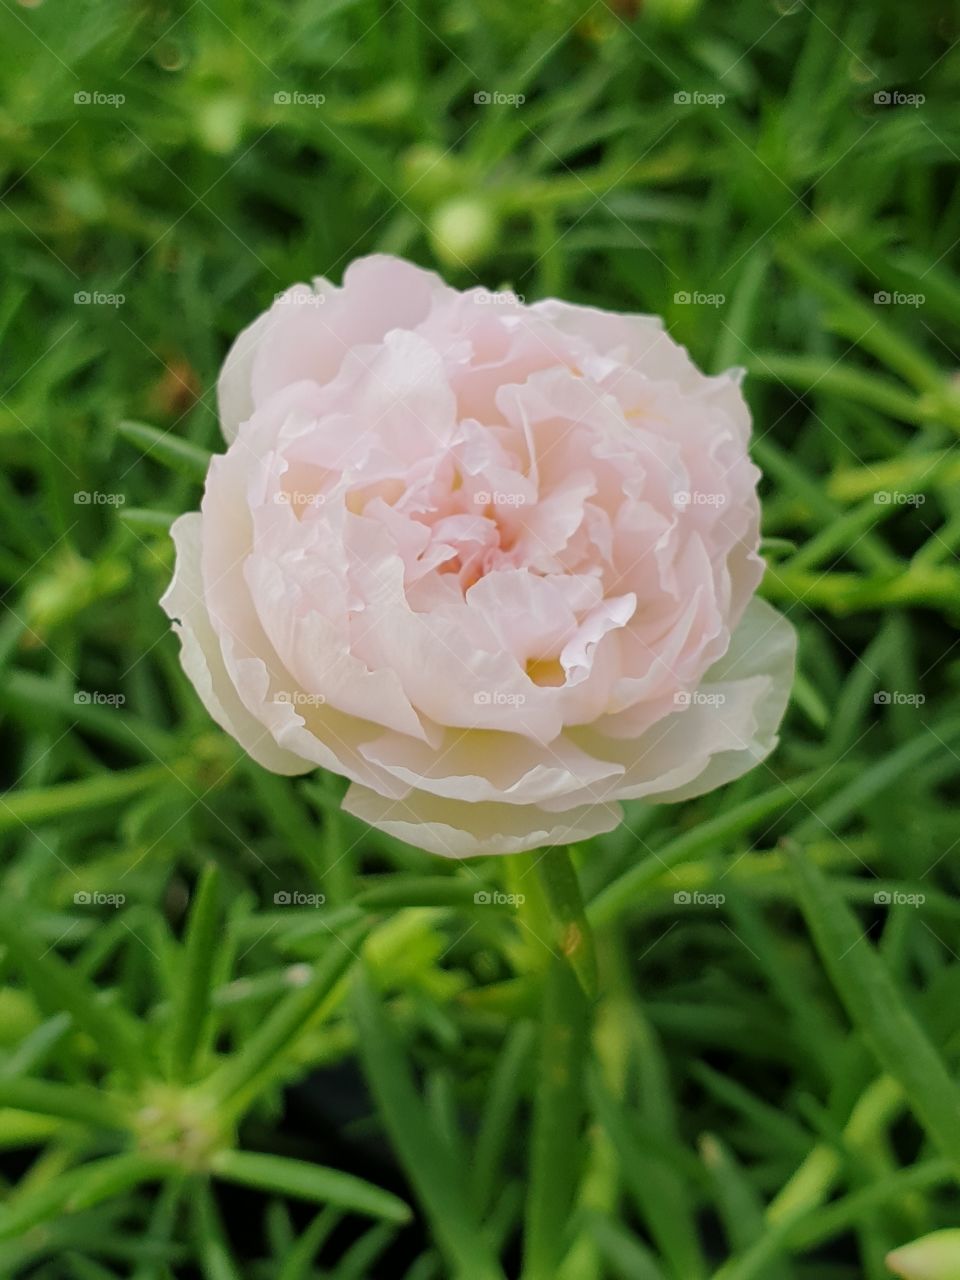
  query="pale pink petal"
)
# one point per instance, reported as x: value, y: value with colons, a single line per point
x: 202, y: 659
x: 454, y: 829
x: 480, y: 766
x: 715, y: 732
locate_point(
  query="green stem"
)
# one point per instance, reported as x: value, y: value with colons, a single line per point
x: 556, y: 1150
x: 569, y: 926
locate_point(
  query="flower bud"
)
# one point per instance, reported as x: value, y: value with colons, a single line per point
x: 932, y: 1257
x: 462, y: 232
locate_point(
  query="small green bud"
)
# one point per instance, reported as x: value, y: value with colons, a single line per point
x: 429, y: 173
x: 462, y: 232
x: 932, y: 1257
x: 220, y: 124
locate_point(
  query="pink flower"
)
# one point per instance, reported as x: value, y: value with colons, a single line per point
x: 494, y: 563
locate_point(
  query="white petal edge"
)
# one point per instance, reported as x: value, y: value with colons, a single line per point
x: 459, y: 829
x: 764, y: 643
x: 202, y: 659
x: 234, y: 392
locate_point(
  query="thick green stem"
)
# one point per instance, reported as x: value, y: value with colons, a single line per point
x: 571, y: 931
x: 556, y: 1149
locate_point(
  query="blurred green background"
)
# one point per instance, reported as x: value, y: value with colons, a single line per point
x: 198, y: 1078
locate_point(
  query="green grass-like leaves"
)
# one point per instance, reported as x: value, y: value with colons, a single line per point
x: 240, y: 1035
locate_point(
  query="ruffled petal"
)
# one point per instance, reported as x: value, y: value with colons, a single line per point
x: 455, y: 829
x: 202, y: 659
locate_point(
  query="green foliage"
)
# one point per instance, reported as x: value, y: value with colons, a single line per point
x: 242, y: 1036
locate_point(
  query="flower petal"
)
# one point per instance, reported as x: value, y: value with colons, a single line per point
x: 202, y: 659
x: 457, y: 829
